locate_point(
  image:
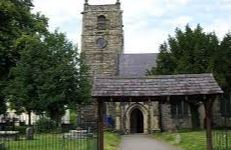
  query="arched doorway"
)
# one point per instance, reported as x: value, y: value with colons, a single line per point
x: 136, y: 121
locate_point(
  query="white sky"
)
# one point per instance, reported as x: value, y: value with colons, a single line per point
x: 147, y: 23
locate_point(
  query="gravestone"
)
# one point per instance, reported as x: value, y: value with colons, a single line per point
x: 178, y: 139
x: 29, y: 133
x: 76, y: 134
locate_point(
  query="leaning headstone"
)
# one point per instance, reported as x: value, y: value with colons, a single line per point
x: 29, y: 133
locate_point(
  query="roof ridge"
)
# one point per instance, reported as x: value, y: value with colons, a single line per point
x: 136, y: 53
x: 156, y: 76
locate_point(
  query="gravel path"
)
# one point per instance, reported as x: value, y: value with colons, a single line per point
x: 143, y: 142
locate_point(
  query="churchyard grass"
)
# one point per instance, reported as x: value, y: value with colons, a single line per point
x: 56, y: 142
x: 196, y: 140
x: 188, y: 140
x: 112, y: 141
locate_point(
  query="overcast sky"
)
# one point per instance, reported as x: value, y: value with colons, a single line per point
x: 147, y: 23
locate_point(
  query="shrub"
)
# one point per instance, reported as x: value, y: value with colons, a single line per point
x: 45, y: 125
x: 21, y: 129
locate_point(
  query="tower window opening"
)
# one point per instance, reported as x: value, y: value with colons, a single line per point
x: 102, y: 22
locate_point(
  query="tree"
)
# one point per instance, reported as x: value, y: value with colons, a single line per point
x: 50, y: 77
x: 84, y: 87
x: 191, y: 51
x: 188, y: 52
x: 222, y: 63
x: 16, y: 20
x: 222, y: 71
x: 165, y: 62
x: 42, y: 71
x: 2, y: 101
x: 60, y: 80
x: 22, y: 90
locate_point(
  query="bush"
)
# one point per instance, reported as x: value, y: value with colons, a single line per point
x: 73, y: 117
x: 2, y: 146
x: 67, y: 127
x: 45, y: 125
x: 21, y: 129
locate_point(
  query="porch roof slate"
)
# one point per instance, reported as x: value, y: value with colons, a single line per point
x: 154, y: 86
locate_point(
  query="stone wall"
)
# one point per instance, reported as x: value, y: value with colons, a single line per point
x: 218, y: 119
x: 169, y: 123
x: 87, y: 116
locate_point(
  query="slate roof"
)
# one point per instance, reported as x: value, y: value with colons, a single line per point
x: 163, y: 85
x: 136, y: 65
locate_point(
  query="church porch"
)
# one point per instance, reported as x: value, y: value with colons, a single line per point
x: 157, y: 88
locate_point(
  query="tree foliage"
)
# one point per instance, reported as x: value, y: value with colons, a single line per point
x: 84, y: 87
x: 60, y: 78
x: 191, y: 51
x: 22, y: 90
x: 16, y: 20
x: 222, y: 63
x: 47, y: 77
x: 41, y: 71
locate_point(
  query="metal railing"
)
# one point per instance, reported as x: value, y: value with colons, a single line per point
x: 54, y: 138
x: 222, y: 139
x: 222, y: 132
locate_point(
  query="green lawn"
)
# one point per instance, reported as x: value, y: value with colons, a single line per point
x: 56, y: 142
x: 112, y: 141
x: 194, y: 140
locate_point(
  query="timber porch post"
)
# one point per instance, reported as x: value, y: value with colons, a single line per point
x: 100, y: 126
x: 208, y: 112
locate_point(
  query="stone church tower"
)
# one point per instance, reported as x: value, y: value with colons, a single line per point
x: 102, y: 43
x: 102, y: 37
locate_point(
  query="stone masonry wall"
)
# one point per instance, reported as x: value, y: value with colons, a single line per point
x: 218, y: 119
x: 169, y: 123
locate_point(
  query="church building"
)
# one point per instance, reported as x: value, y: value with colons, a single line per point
x: 103, y: 45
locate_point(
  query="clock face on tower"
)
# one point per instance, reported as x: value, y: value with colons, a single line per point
x: 101, y: 43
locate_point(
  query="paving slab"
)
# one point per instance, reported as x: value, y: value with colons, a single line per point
x: 144, y: 142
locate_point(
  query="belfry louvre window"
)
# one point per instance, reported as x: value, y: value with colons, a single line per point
x: 179, y: 109
x: 101, y: 23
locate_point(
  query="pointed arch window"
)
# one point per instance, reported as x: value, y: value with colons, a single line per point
x: 101, y: 22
